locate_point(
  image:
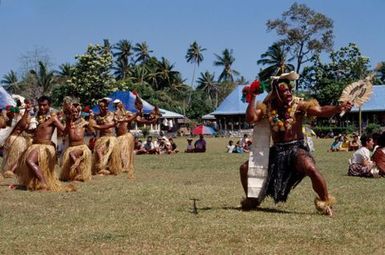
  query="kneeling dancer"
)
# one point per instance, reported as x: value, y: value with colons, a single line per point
x: 77, y: 158
x: 282, y: 115
x: 36, y: 170
x: 106, y: 157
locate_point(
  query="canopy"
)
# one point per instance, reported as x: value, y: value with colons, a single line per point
x: 128, y: 99
x: 203, y: 130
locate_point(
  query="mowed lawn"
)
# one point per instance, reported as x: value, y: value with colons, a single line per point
x: 153, y: 214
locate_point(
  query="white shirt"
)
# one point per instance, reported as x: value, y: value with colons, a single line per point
x: 230, y: 148
x: 361, y: 155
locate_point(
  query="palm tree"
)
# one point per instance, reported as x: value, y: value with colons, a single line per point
x: 122, y: 64
x: 106, y: 48
x: 226, y: 60
x: 44, y: 79
x: 207, y: 84
x: 275, y: 57
x: 165, y: 74
x: 142, y: 52
x: 9, y: 78
x: 194, y: 55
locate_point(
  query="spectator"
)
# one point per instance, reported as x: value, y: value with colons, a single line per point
x: 335, y: 146
x: 190, y: 147
x: 345, y: 143
x: 148, y: 147
x: 238, y: 148
x: 244, y: 140
x: 355, y: 143
x: 360, y: 164
x: 379, y: 155
x: 173, y: 146
x: 230, y: 147
x: 200, y: 144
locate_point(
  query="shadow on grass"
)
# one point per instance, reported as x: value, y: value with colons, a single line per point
x: 14, y: 186
x: 238, y: 208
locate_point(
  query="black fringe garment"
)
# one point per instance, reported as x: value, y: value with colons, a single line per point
x: 282, y: 173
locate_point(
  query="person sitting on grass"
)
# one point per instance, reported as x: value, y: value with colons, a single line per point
x: 360, y: 164
x: 345, y: 143
x: 148, y: 147
x: 190, y: 147
x: 200, y: 144
x: 173, y: 146
x: 336, y: 145
x: 379, y: 155
x: 238, y: 148
x: 230, y: 147
x: 355, y: 143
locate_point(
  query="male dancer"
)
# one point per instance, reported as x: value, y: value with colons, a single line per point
x: 290, y: 160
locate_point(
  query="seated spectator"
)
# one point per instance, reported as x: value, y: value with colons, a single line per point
x: 360, y: 164
x: 190, y: 147
x: 164, y: 146
x: 335, y: 146
x: 230, y: 147
x: 173, y: 146
x: 148, y: 147
x: 247, y: 146
x: 345, y: 143
x: 379, y: 155
x: 200, y: 144
x: 137, y: 145
x: 238, y: 148
x: 244, y: 140
x: 355, y: 143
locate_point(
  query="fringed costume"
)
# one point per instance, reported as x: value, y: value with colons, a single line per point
x: 282, y: 174
x: 110, y: 161
x: 14, y: 147
x: 46, y: 162
x: 126, y: 143
x: 80, y: 170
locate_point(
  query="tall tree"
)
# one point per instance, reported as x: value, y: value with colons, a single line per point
x: 122, y: 64
x: 226, y: 60
x: 326, y: 81
x: 194, y: 55
x: 208, y: 85
x: 44, y: 78
x: 305, y: 31
x: 91, y: 79
x: 166, y: 75
x: 142, y: 52
x: 276, y: 59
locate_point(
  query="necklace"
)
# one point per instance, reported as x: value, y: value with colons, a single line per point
x: 282, y: 122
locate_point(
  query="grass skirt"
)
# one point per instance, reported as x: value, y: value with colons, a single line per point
x: 79, y: 170
x: 14, y: 147
x: 110, y: 161
x: 46, y: 162
x: 127, y: 143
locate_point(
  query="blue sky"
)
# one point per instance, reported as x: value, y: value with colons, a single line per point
x: 65, y: 27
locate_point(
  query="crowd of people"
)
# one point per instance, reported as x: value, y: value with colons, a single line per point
x: 241, y: 146
x: 344, y: 143
x: 166, y: 145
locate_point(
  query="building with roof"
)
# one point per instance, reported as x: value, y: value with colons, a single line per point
x: 373, y: 111
x: 230, y: 114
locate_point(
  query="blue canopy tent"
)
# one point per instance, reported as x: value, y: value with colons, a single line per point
x: 128, y: 99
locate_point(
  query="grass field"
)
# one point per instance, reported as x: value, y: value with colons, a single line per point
x: 153, y: 214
